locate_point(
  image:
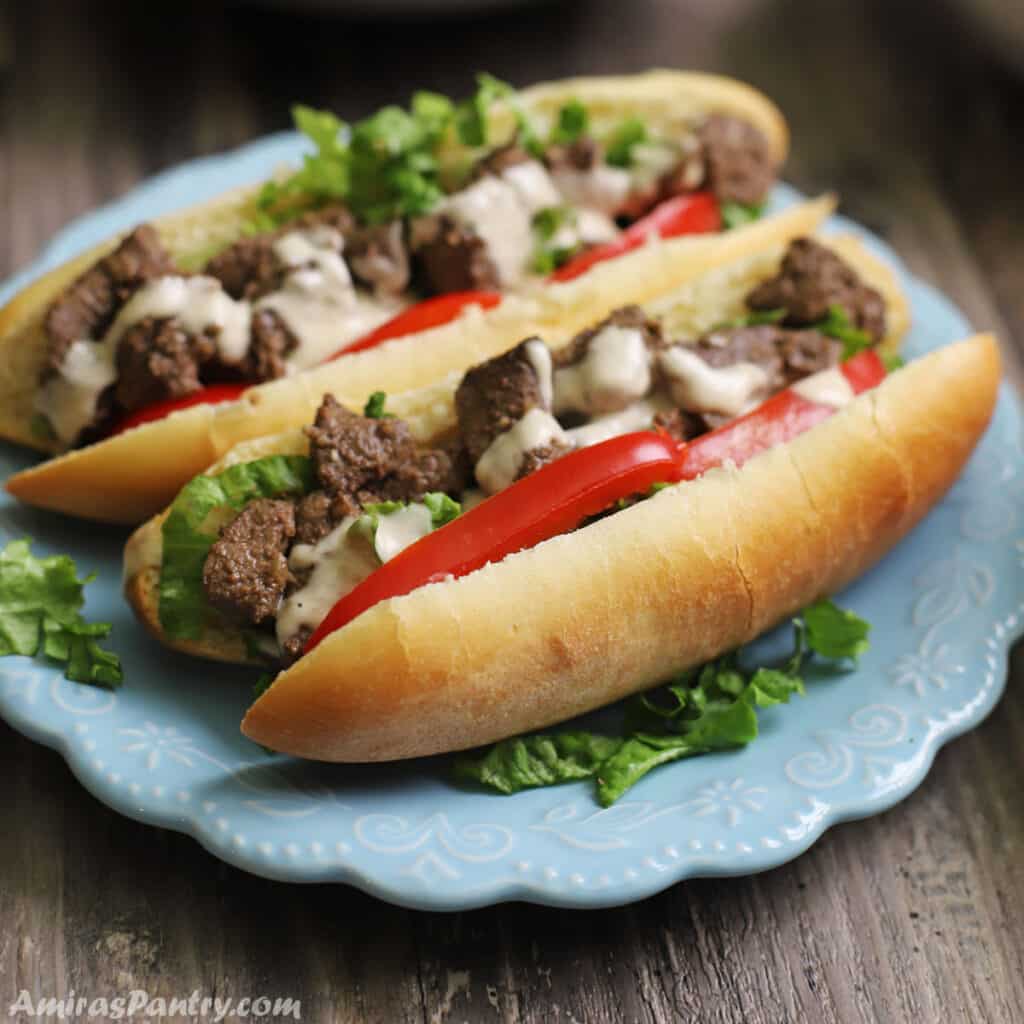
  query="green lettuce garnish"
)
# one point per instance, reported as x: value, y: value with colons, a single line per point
x: 40, y: 604
x: 571, y: 124
x: 735, y: 215
x: 386, y: 165
x: 374, y: 408
x: 546, y: 224
x: 706, y: 709
x: 192, y: 525
x: 629, y: 133
x: 839, y: 326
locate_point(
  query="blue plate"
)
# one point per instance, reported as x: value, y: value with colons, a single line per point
x: 166, y: 748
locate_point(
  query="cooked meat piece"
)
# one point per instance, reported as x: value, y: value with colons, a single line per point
x: 624, y: 316
x: 738, y: 162
x: 270, y: 341
x: 313, y: 519
x: 499, y: 160
x: 433, y: 469
x: 448, y: 257
x: 87, y: 307
x: 759, y: 345
x: 806, y: 352
x: 584, y: 154
x: 159, y: 359
x: 353, y: 454
x: 378, y: 257
x: 811, y: 279
x: 678, y: 424
x: 249, y: 268
x: 246, y: 571
x: 537, y: 457
x: 785, y: 355
x: 494, y: 396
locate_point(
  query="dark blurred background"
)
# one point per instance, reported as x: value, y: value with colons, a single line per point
x: 911, y: 109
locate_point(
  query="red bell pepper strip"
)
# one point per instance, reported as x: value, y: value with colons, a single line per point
x: 441, y: 309
x: 551, y: 501
x: 694, y: 214
x: 213, y: 395
x: 420, y: 317
x: 559, y: 496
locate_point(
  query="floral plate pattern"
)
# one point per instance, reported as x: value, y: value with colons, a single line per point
x: 166, y: 748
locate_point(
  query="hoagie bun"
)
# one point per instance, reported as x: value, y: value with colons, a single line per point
x: 710, y: 298
x: 589, y: 617
x: 123, y: 479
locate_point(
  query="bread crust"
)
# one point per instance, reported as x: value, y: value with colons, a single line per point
x: 589, y: 617
x: 708, y: 299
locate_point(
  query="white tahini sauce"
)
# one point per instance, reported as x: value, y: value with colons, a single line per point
x: 637, y: 416
x: 398, y: 529
x: 341, y: 561
x: 602, y: 188
x: 698, y: 387
x: 615, y: 371
x: 539, y: 356
x: 68, y: 399
x: 499, y: 465
x: 318, y: 301
x: 829, y: 387
x: 500, y: 210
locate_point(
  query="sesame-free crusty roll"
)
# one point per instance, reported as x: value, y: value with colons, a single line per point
x: 615, y: 607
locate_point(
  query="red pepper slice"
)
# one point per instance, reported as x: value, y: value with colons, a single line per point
x: 560, y: 495
x: 213, y: 395
x: 441, y: 309
x: 551, y: 501
x: 694, y: 214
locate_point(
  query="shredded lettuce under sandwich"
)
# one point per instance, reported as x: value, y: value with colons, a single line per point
x: 194, y: 520
x: 40, y: 605
x: 706, y: 709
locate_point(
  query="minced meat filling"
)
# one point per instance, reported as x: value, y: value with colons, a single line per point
x: 737, y: 161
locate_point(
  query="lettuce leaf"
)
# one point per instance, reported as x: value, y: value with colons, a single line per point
x: 839, y: 326
x: 706, y: 709
x: 191, y: 527
x: 736, y: 215
x: 40, y: 603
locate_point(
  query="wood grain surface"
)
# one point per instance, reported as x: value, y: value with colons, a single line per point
x: 915, y: 915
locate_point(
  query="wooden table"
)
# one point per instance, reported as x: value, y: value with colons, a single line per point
x: 916, y: 915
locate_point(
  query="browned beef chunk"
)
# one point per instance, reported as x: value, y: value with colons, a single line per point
x: 87, y: 307
x: 737, y: 160
x: 433, y: 469
x: 500, y: 159
x: 157, y: 360
x: 352, y: 454
x: 494, y: 396
x: 448, y: 257
x: 678, y: 424
x: 313, y: 519
x: 584, y: 154
x: 811, y: 279
x: 378, y: 257
x: 537, y: 457
x: 270, y: 341
x: 624, y: 316
x: 246, y: 571
x: 249, y: 269
x: 785, y: 355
